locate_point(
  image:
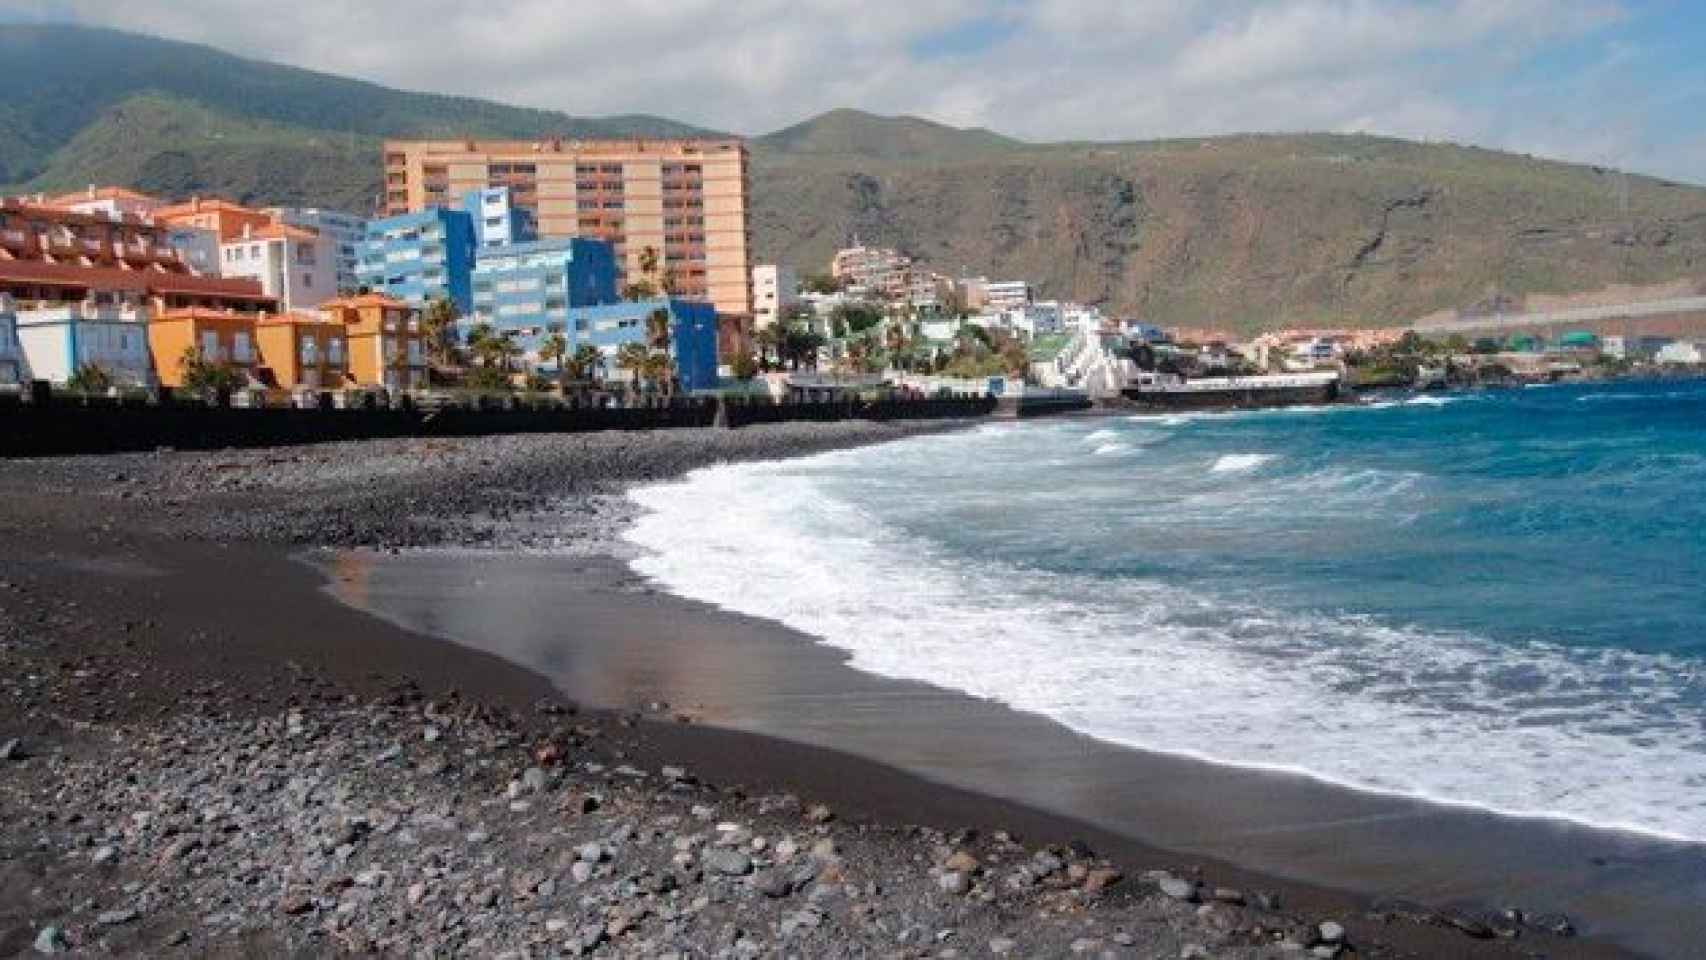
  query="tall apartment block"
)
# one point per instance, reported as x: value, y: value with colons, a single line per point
x: 685, y: 199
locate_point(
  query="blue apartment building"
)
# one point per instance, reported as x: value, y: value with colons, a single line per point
x: 418, y: 257
x: 497, y: 220
x: 693, y: 334
x: 529, y: 288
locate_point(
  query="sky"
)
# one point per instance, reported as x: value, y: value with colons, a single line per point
x: 1613, y: 82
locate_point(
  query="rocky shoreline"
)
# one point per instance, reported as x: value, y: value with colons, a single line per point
x: 200, y: 755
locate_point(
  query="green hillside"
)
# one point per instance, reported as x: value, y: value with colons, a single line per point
x: 1240, y: 231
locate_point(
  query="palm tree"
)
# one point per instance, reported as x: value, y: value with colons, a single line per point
x: 633, y: 357
x: 586, y: 361
x: 555, y: 349
x: 480, y: 341
x: 438, y: 322
x: 657, y: 329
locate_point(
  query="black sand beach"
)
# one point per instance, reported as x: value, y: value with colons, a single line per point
x: 160, y: 641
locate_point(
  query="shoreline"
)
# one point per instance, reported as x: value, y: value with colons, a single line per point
x: 287, y: 646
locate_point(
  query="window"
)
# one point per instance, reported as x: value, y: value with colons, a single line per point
x: 308, y: 281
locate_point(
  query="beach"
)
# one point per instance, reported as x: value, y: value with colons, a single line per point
x: 174, y: 636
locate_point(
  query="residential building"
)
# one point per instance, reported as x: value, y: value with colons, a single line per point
x: 775, y: 288
x: 384, y: 339
x: 11, y: 358
x: 112, y: 202
x: 50, y: 255
x: 197, y: 247
x: 973, y: 293
x: 693, y: 335
x: 216, y: 336
x: 1682, y: 351
x: 928, y: 293
x: 1614, y: 347
x: 223, y: 217
x: 530, y: 287
x: 879, y: 271
x: 1006, y: 294
x: 296, y: 266
x: 420, y: 257
x: 57, y: 340
x: 302, y: 351
x: 498, y: 221
x: 345, y: 230
x: 684, y: 199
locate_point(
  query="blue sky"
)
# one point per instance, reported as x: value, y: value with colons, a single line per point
x: 1612, y: 82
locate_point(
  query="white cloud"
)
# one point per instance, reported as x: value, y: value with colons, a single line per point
x: 1041, y: 69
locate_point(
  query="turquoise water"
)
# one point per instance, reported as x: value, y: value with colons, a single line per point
x: 1493, y: 599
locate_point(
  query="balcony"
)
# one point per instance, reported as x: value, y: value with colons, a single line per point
x: 16, y: 239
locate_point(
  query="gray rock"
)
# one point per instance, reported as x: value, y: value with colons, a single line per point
x: 103, y: 854
x: 1330, y: 931
x: 1001, y: 946
x: 113, y: 918
x: 533, y: 780
x: 820, y: 814
x: 954, y: 882
x: 51, y: 939
x: 431, y: 734
x: 1179, y: 889
x: 590, y: 853
x: 772, y: 883
x: 1228, y: 895
x: 12, y: 749
x: 729, y: 863
x: 581, y: 871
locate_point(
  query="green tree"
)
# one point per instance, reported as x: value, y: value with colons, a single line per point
x: 438, y: 323
x: 744, y: 366
x: 633, y: 357
x: 821, y: 283
x: 206, y: 377
x: 555, y: 349
x: 586, y: 361
x: 90, y: 378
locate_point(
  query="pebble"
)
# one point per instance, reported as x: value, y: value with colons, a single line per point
x: 103, y: 854
x: 51, y: 939
x: 581, y: 872
x: 954, y: 882
x: 113, y: 918
x: 12, y: 749
x: 1001, y: 946
x: 1330, y: 931
x: 729, y: 863
x: 820, y: 814
x: 590, y: 853
x: 962, y: 862
x: 1179, y: 889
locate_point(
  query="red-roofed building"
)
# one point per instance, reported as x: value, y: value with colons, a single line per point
x: 223, y: 217
x: 113, y: 202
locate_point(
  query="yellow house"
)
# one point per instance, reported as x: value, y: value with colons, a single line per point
x: 303, y: 351
x: 220, y: 336
x: 386, y: 346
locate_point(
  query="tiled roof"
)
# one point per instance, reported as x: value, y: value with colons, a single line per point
x: 138, y: 281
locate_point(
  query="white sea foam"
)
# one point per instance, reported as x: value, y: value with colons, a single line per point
x: 1240, y: 462
x: 1112, y: 449
x: 1101, y: 436
x: 1429, y: 400
x: 1602, y: 737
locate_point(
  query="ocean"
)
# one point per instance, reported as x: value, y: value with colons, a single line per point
x: 1495, y: 600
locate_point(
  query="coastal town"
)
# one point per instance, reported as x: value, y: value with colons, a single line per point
x: 618, y: 271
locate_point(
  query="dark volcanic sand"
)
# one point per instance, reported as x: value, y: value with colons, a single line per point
x: 143, y: 593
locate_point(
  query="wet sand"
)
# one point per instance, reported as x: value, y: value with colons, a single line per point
x: 607, y: 639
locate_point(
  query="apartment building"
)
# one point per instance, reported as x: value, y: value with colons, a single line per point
x: 55, y: 340
x: 1007, y: 294
x: 345, y: 230
x: 775, y: 288
x: 878, y: 271
x: 302, y: 351
x: 224, y: 218
x: 498, y: 221
x: 532, y: 286
x: 693, y: 335
x: 419, y: 257
x: 50, y: 255
x: 386, y: 345
x: 296, y: 266
x: 684, y: 199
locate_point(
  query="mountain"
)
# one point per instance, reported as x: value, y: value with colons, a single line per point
x: 1238, y: 231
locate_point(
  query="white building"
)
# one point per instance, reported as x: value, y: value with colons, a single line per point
x: 1614, y: 347
x: 114, y: 203
x: 345, y: 230
x: 297, y: 266
x: 880, y: 271
x: 1682, y: 351
x: 11, y: 360
x: 1006, y: 294
x: 57, y: 341
x: 775, y: 288
x: 196, y: 246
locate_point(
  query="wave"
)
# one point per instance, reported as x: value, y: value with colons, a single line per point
x: 1239, y: 462
x: 1111, y: 449
x: 1101, y: 436
x: 1428, y: 400
x: 1605, y: 737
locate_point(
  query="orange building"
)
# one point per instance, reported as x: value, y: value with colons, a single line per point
x: 220, y: 336
x: 386, y: 345
x: 224, y: 218
x: 302, y: 351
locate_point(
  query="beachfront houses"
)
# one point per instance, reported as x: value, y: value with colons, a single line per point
x: 11, y: 358
x: 177, y: 338
x: 57, y: 340
x: 303, y: 351
x: 384, y: 339
x: 421, y: 257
